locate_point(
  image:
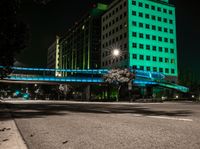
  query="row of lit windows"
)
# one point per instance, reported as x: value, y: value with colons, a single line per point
x: 153, y: 58
x: 152, y: 7
x: 116, y: 10
x: 153, y: 48
x: 152, y: 37
x: 152, y: 27
x: 114, y: 60
x: 155, y: 69
x: 153, y: 17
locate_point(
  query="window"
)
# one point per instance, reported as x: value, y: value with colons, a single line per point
x: 160, y: 69
x: 134, y: 56
x: 172, y: 61
x: 166, y: 39
x: 141, y: 46
x: 134, y: 34
x: 170, y: 11
x: 141, y: 67
x: 166, y: 70
x: 159, y: 18
x: 147, y: 26
x: 148, y: 68
x: 165, y: 20
x: 134, y: 67
x: 155, y: 69
x: 153, y: 17
x: 153, y: 27
x: 141, y: 35
x: 160, y: 59
x: 170, y: 22
x: 146, y: 5
x: 154, y: 48
x: 153, y: 7
x: 159, y: 9
x: 166, y: 60
x: 134, y: 45
x: 140, y: 14
x: 141, y: 57
x: 134, y: 13
x: 171, y: 50
x: 160, y: 49
x: 166, y: 50
x: 153, y: 37
x: 171, y: 31
x: 140, y: 24
x: 159, y: 28
x: 172, y: 71
x: 159, y: 38
x: 165, y: 10
x: 154, y: 58
x: 165, y: 30
x: 147, y: 36
x: 147, y: 16
x: 171, y: 40
x: 140, y: 4
x: 148, y: 47
x: 148, y: 58
x: 133, y: 2
x: 134, y: 23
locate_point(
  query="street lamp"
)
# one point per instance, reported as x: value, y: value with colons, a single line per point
x: 116, y: 52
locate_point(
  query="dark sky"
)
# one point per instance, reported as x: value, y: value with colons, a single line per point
x: 46, y: 21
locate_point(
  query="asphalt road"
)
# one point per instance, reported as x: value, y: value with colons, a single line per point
x: 75, y: 125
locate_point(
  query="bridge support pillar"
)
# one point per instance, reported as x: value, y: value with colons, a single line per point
x: 87, y: 92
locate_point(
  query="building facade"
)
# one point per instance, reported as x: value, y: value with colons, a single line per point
x: 144, y: 31
x: 79, y: 47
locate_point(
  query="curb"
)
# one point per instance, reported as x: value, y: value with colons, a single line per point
x: 13, y: 137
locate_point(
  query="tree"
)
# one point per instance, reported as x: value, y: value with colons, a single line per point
x: 118, y: 77
x: 14, y: 33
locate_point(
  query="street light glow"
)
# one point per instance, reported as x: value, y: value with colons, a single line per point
x: 116, y: 52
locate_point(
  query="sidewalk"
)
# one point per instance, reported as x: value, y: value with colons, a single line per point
x: 10, y: 137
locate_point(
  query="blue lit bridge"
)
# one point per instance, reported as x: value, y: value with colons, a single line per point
x: 89, y: 76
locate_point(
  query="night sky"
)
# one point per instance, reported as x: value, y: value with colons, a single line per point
x: 48, y: 20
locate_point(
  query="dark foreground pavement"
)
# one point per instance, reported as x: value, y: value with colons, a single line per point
x: 76, y: 125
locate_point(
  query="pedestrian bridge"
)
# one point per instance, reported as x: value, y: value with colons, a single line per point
x: 45, y: 75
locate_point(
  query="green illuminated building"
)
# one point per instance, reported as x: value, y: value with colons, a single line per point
x: 145, y: 33
x: 79, y: 47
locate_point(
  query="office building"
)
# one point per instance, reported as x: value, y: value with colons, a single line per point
x: 144, y: 32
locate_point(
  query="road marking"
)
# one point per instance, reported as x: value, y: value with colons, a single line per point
x: 164, y: 117
x: 171, y: 118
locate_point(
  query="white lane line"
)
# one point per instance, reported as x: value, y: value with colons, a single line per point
x: 171, y: 118
x: 164, y: 117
